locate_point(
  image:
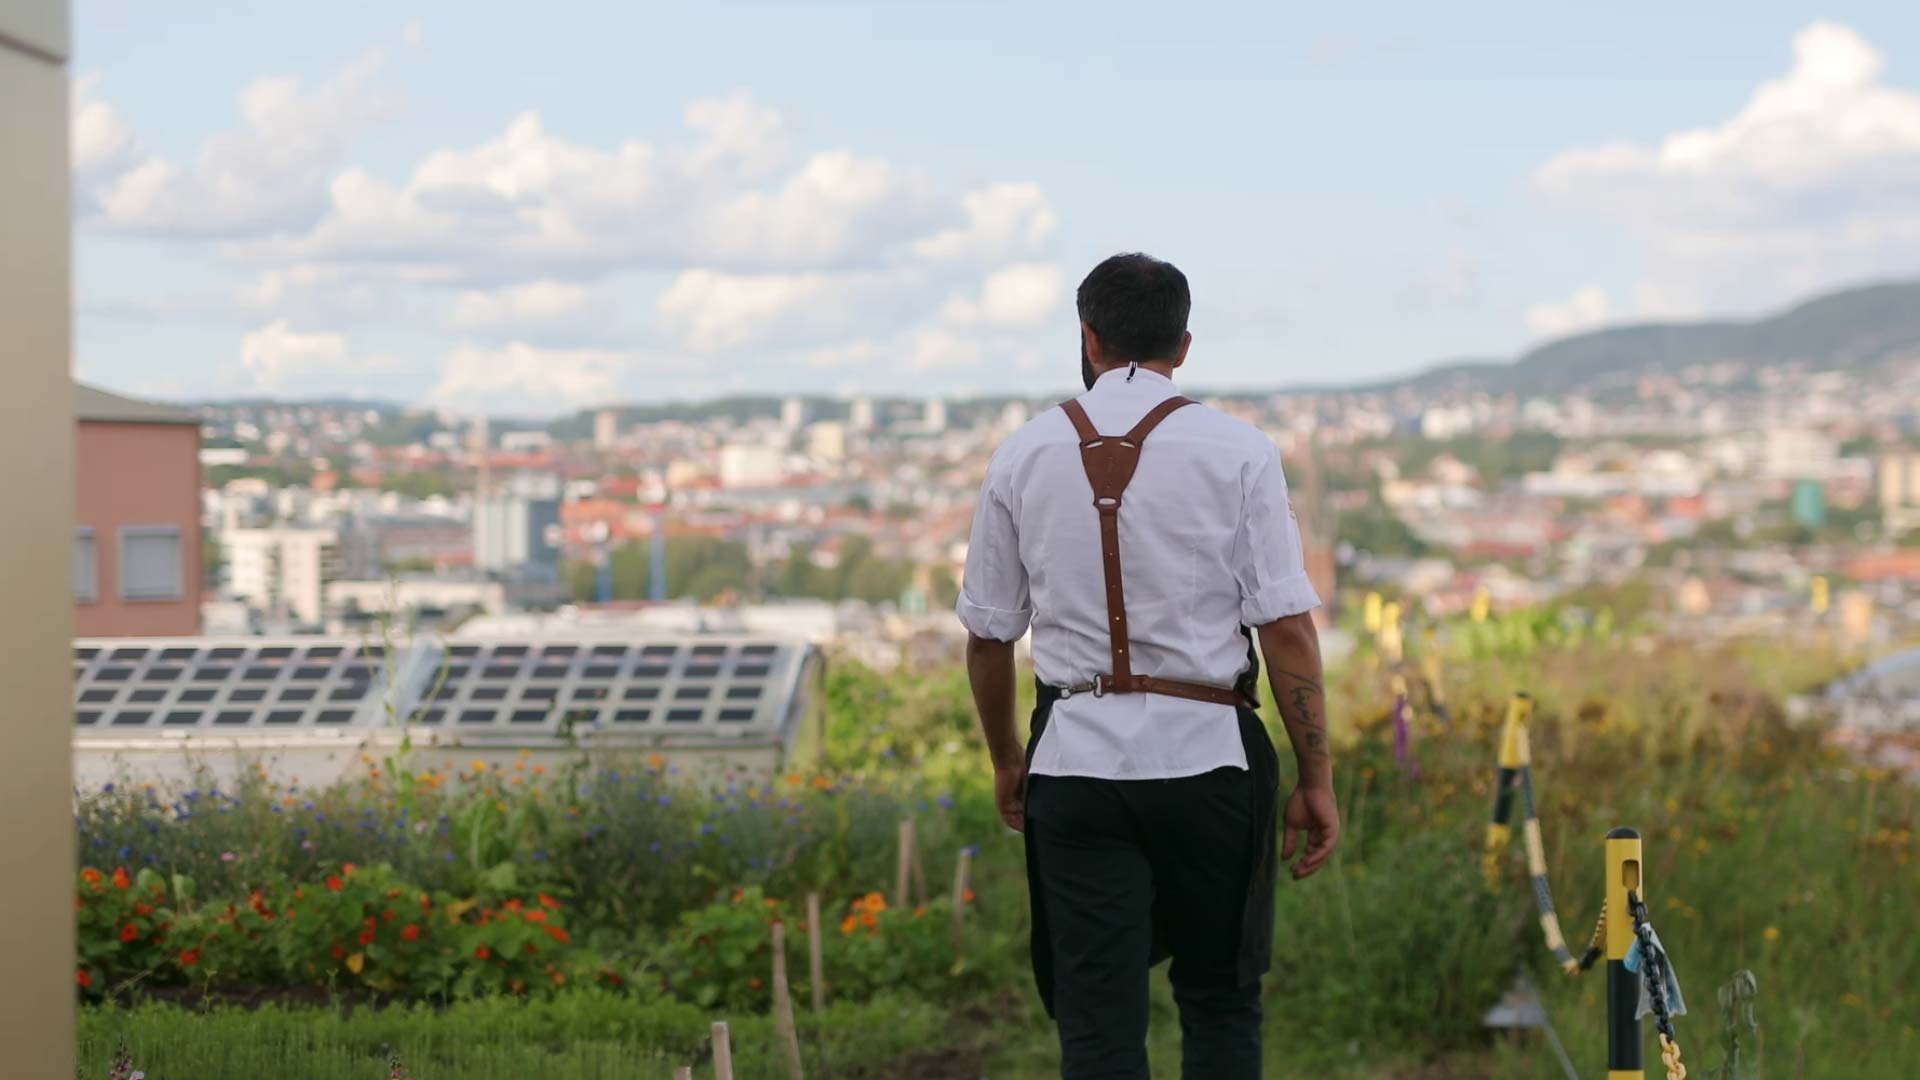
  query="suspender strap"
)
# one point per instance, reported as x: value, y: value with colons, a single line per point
x: 1110, y: 462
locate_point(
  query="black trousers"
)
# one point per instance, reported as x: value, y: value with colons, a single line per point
x: 1108, y: 850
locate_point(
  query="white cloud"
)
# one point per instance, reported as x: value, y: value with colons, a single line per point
x: 534, y: 309
x: 1018, y: 296
x: 102, y: 141
x: 1002, y: 221
x: 268, y: 176
x: 523, y: 246
x: 1588, y: 307
x: 279, y: 357
x: 523, y: 379
x: 1815, y: 181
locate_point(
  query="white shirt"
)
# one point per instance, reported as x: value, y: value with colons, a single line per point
x: 1208, y: 542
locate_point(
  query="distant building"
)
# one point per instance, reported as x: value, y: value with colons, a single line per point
x: 136, y: 541
x: 750, y: 465
x: 606, y: 429
x: 862, y: 418
x: 827, y: 441
x: 1898, y: 484
x: 1796, y: 453
x: 518, y: 525
x: 793, y: 414
x: 282, y: 571
x: 936, y: 417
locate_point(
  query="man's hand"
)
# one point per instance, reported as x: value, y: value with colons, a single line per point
x: 1310, y: 811
x: 1010, y: 795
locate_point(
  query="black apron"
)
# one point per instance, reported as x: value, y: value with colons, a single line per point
x: 1263, y: 854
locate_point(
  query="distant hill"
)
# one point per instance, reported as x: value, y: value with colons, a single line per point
x: 1853, y: 329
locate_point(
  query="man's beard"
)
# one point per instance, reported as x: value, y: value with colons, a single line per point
x: 1086, y: 365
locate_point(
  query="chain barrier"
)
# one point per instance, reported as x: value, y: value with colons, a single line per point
x: 1654, y: 973
x: 1515, y: 776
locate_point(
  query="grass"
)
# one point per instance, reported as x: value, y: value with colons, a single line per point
x: 1766, y: 851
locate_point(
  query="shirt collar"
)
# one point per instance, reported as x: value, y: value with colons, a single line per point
x: 1117, y: 378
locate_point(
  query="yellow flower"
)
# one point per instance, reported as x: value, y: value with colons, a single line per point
x: 655, y: 761
x: 1771, y: 933
x: 479, y: 766
x: 356, y: 962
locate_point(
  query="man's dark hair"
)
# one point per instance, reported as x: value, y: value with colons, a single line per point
x: 1137, y: 306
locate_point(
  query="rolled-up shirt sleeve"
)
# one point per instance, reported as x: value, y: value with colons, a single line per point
x: 1268, y: 558
x: 994, y: 601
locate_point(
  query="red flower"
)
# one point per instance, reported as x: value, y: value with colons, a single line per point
x: 512, y: 905
x: 129, y: 932
x: 334, y: 884
x: 549, y: 902
x: 534, y: 916
x: 121, y: 880
x: 411, y: 933
x: 85, y: 980
x: 92, y: 877
x: 190, y: 958
x: 143, y: 909
x: 530, y: 949
x: 338, y: 951
x: 482, y: 953
x: 559, y: 934
x: 366, y: 937
x: 347, y: 868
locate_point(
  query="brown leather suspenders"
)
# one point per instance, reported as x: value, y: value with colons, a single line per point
x: 1110, y: 461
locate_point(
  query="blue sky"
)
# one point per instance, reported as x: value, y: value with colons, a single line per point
x: 532, y: 208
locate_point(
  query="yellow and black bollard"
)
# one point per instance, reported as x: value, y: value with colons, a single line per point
x: 1624, y: 1058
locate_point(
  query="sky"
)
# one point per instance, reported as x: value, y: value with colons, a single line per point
x: 528, y: 209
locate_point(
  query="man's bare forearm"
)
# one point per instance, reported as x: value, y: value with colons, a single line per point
x: 1291, y: 648
x: 990, y: 670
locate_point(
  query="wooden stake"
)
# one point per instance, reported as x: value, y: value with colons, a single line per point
x: 962, y: 872
x: 722, y: 1052
x: 816, y: 971
x: 684, y: 1072
x: 905, y: 868
x: 783, y: 1025
x: 919, y: 877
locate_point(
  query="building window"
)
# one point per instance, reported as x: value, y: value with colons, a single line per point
x: 150, y: 563
x: 86, y: 567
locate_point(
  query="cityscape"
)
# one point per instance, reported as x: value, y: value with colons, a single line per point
x: 1706, y: 487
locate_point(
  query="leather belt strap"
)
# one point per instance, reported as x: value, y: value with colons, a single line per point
x: 1110, y: 461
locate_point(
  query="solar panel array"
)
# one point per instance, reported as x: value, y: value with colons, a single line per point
x: 181, y: 685
x: 550, y: 688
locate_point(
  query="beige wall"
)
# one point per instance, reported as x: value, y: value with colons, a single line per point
x: 138, y: 474
x: 36, y: 472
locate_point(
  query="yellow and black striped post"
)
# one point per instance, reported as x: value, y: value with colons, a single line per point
x: 1513, y: 757
x: 1624, y: 1047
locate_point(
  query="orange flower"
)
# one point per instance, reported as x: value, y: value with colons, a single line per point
x: 549, y: 902
x: 919, y: 912
x: 348, y: 868
x: 91, y: 877
x: 754, y: 982
x: 411, y: 933
x: 869, y: 921
x: 794, y: 780
x: 189, y: 957
x: 559, y: 934
x: 513, y: 905
x: 534, y: 915
x: 482, y: 953
x: 334, y: 884
x: 874, y: 902
x: 121, y: 880
x: 258, y: 902
x: 558, y: 979
x: 129, y: 932
x: 655, y: 761
x: 967, y: 896
x: 847, y: 924
x: 85, y: 980
x: 822, y: 782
